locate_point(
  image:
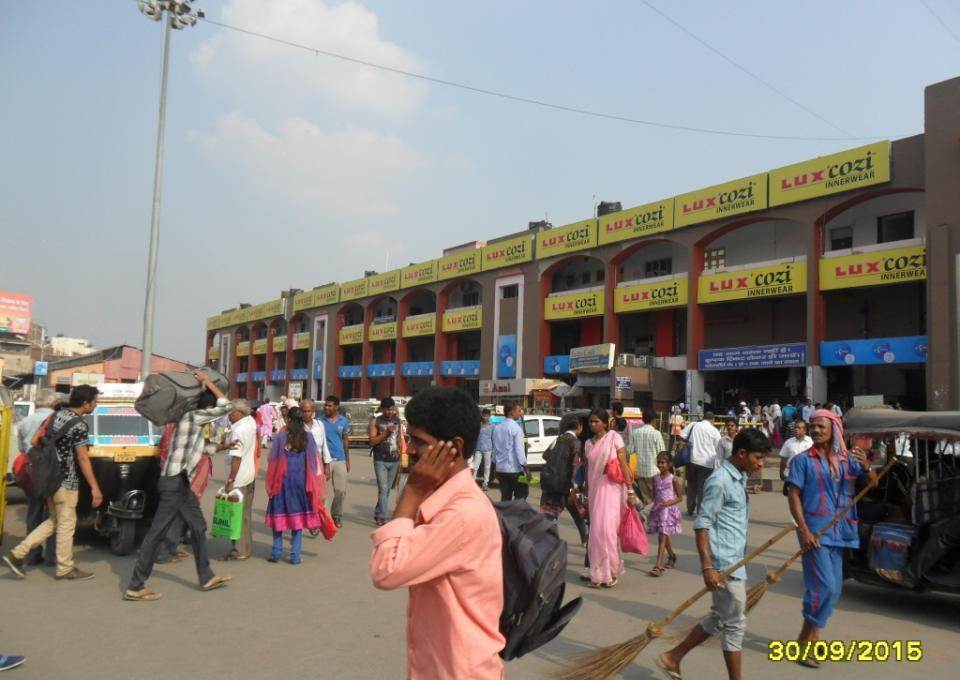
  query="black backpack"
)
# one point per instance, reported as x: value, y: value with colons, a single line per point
x: 555, y: 473
x: 40, y: 476
x: 534, y: 571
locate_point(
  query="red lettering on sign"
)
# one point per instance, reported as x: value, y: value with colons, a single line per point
x: 712, y: 201
x: 742, y: 282
x: 873, y: 266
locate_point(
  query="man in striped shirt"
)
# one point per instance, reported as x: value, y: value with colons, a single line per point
x: 176, y: 497
x: 647, y: 443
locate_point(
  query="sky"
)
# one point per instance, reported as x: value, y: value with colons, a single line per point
x: 286, y: 168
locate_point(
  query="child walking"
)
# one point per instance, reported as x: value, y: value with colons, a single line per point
x: 292, y: 486
x: 665, y: 513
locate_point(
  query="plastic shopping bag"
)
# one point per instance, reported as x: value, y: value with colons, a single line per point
x: 327, y: 527
x: 633, y: 538
x: 228, y: 515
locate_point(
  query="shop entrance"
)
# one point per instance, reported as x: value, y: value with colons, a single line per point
x: 905, y: 383
x: 726, y: 389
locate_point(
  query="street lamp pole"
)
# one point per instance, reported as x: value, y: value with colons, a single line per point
x: 175, y: 14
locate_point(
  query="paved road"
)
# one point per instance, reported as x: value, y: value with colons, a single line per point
x: 324, y: 618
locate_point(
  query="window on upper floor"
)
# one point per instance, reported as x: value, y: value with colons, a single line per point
x: 600, y: 275
x: 660, y: 267
x: 895, y: 227
x: 585, y: 277
x: 511, y: 291
x: 471, y: 299
x: 715, y: 258
x: 841, y: 238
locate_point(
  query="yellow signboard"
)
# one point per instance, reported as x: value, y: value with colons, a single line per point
x: 245, y: 315
x: 214, y: 322
x: 213, y: 353
x: 301, y: 340
x: 318, y: 297
x: 642, y: 297
x: 260, y: 346
x: 573, y: 305
x: 280, y: 343
x: 382, y: 331
x: 568, y: 239
x: 419, y: 274
x: 303, y: 300
x: 877, y: 268
x: 643, y: 220
x: 850, y: 169
x: 243, y: 348
x: 421, y: 324
x: 351, y: 335
x: 463, y: 319
x: 505, y: 253
x: 353, y: 290
x: 786, y: 278
x: 384, y: 283
x: 459, y: 264
x: 267, y: 309
x: 722, y: 200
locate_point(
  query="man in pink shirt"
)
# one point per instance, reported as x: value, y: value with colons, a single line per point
x: 444, y: 544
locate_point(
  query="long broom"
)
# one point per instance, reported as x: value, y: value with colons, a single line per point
x: 611, y: 660
x: 757, y: 592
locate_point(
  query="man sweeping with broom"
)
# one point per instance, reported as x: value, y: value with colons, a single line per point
x: 823, y: 482
x: 721, y: 531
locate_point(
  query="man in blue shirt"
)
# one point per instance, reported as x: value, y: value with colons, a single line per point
x: 484, y: 448
x: 721, y: 531
x: 509, y: 454
x: 822, y: 482
x: 337, y: 428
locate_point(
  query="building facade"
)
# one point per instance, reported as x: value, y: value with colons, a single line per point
x: 829, y: 278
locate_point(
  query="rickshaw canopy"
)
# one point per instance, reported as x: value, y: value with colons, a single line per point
x: 921, y: 424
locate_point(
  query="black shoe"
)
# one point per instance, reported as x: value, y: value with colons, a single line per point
x: 16, y: 566
x: 76, y: 575
x: 338, y: 522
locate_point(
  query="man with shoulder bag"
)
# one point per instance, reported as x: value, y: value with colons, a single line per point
x: 702, y: 437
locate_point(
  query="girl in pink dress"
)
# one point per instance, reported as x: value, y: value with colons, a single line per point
x: 607, y: 500
x: 665, y: 513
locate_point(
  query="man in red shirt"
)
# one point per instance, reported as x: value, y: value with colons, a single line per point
x: 444, y: 544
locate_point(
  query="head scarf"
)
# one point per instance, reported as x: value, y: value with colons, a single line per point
x: 839, y: 447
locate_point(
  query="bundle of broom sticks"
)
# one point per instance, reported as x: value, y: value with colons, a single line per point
x: 609, y: 661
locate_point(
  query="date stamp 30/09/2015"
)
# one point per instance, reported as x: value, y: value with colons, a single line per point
x: 846, y: 650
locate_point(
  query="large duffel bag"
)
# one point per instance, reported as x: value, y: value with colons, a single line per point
x: 168, y: 395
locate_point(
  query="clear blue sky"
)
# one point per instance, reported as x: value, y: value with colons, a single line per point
x: 290, y: 169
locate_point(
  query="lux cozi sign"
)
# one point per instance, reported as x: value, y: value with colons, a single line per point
x: 573, y: 305
x: 646, y: 296
x: 642, y: 220
x: 780, y: 279
x: 843, y: 171
x: 876, y: 268
x: 567, y: 239
x: 514, y: 251
x: 722, y: 200
x: 459, y: 264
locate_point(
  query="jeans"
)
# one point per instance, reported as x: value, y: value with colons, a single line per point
x: 386, y: 476
x: 176, y: 500
x: 296, y: 541
x: 37, y: 512
x: 475, y: 464
x: 338, y: 475
x: 62, y: 520
x: 510, y: 488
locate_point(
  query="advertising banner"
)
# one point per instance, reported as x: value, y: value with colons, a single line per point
x: 299, y: 374
x: 556, y: 364
x: 786, y: 278
x: 301, y: 340
x: 642, y: 220
x: 875, y: 268
x: 318, y: 297
x: 592, y: 358
x: 506, y: 356
x: 460, y: 369
x: 278, y: 375
x: 260, y: 346
x: 462, y: 319
x: 295, y: 389
x: 213, y: 353
x: 505, y: 253
x: 904, y: 350
x: 573, y: 305
x: 843, y: 171
x: 412, y: 369
x: 15, y: 313
x: 384, y: 283
x: 419, y: 325
x: 215, y: 322
x: 318, y: 364
x: 459, y: 264
x: 280, y: 343
x: 642, y: 297
x: 721, y: 201
x: 419, y: 274
x: 757, y: 356
x: 351, y: 335
x: 381, y: 370
x: 567, y: 239
x: 382, y: 331
x: 350, y: 372
x: 243, y: 348
x: 353, y: 290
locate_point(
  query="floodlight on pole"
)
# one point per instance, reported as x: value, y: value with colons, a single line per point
x: 178, y: 14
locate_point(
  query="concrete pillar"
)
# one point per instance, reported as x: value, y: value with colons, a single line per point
x: 694, y: 391
x: 816, y: 387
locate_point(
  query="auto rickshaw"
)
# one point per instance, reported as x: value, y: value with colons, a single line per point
x: 910, y: 524
x: 123, y: 455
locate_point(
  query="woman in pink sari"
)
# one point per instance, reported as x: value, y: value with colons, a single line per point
x: 607, y: 500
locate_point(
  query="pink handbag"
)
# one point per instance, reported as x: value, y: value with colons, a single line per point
x: 633, y: 537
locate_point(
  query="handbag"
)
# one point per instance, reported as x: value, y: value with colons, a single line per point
x: 614, y: 472
x: 327, y: 527
x: 633, y: 537
x: 228, y: 515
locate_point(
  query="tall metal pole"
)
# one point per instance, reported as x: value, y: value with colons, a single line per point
x: 148, y: 307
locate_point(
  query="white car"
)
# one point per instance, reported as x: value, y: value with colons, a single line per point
x: 540, y: 432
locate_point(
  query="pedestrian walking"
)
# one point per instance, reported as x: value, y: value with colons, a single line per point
x: 177, y: 498
x: 556, y: 478
x: 664, y: 518
x: 292, y: 486
x: 384, y: 433
x: 608, y: 499
x: 37, y: 511
x: 444, y: 544
x: 702, y: 436
x: 725, y: 444
x: 484, y: 452
x: 319, y: 433
x: 243, y: 460
x: 721, y: 533
x: 509, y: 454
x: 799, y: 443
x: 646, y: 443
x: 337, y: 430
x: 68, y: 429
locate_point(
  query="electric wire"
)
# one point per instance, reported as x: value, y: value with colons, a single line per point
x: 943, y: 23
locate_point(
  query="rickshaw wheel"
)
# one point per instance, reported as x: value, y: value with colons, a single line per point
x: 122, y: 540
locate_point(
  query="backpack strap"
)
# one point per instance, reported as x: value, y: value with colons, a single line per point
x: 55, y: 438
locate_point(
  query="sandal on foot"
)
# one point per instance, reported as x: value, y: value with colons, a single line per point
x: 142, y: 595
x: 216, y: 582
x: 610, y: 584
x: 672, y: 674
x: 807, y: 662
x: 656, y: 571
x: 594, y: 584
x: 671, y: 562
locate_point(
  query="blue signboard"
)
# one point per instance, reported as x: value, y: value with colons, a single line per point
x: 350, y: 371
x: 556, y: 364
x: 507, y: 356
x: 464, y: 369
x: 241, y: 377
x: 415, y: 368
x: 906, y: 350
x: 318, y: 365
x: 381, y: 370
x: 41, y: 368
x: 757, y: 356
x: 278, y: 376
x: 258, y: 376
x: 298, y: 374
